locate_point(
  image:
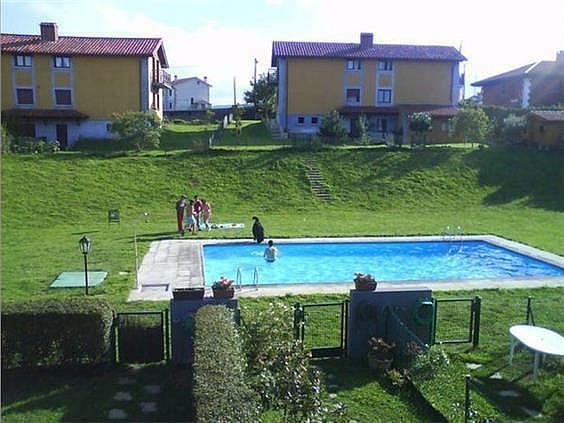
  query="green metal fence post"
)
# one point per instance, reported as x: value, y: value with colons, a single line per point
x: 297, y: 320
x: 166, y: 330
x: 477, y: 305
x: 530, y: 317
x: 434, y: 332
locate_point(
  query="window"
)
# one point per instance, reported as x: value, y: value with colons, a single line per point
x: 301, y: 120
x: 191, y: 100
x: 382, y: 124
x: 24, y: 95
x: 27, y: 130
x: 61, y: 61
x: 170, y: 105
x: 63, y: 97
x: 385, y: 65
x: 353, y: 95
x: 23, y: 61
x: 384, y: 96
x: 541, y: 129
x: 353, y: 64
x: 314, y: 120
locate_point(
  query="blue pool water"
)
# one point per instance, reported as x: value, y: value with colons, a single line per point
x: 387, y: 261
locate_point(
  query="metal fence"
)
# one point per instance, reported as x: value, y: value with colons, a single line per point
x: 322, y: 327
x: 142, y: 336
x: 457, y: 321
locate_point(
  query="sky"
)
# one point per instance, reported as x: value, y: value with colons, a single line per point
x: 221, y: 38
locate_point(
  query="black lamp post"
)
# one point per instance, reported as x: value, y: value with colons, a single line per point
x: 85, y: 245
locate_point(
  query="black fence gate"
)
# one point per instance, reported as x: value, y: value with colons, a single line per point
x: 322, y: 327
x: 142, y: 336
x: 457, y: 321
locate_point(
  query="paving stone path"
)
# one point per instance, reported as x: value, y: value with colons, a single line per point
x: 144, y: 407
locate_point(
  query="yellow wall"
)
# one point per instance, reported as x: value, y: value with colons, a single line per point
x: 315, y: 85
x: 106, y: 85
x: 384, y: 80
x: 62, y: 79
x: 369, y: 86
x: 43, y: 87
x: 7, y: 94
x: 422, y: 82
x: 24, y: 78
x: 352, y: 78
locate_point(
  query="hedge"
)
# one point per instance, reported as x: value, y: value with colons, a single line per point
x: 221, y: 393
x: 56, y: 332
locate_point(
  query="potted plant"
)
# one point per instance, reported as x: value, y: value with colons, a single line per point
x: 188, y: 293
x: 380, y: 354
x: 223, y: 288
x: 364, y: 282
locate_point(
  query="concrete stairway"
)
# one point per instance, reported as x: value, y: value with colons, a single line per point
x: 316, y: 181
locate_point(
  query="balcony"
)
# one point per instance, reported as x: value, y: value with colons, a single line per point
x: 163, y: 81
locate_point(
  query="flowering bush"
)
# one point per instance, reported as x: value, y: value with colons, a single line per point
x: 223, y: 283
x: 363, y: 278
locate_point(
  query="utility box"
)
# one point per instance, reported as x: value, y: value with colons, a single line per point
x: 183, y: 313
x: 396, y: 314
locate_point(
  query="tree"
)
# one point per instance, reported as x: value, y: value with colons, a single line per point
x: 471, y: 124
x: 420, y: 123
x: 331, y: 128
x: 362, y: 130
x: 237, y: 117
x: 263, y: 95
x: 137, y: 129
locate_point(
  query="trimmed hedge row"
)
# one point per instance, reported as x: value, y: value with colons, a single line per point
x: 221, y: 393
x: 56, y: 332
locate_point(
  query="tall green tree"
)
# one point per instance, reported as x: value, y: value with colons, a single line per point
x: 331, y: 129
x: 263, y: 95
x: 471, y: 124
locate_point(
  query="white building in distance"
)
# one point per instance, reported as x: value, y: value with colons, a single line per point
x: 187, y: 94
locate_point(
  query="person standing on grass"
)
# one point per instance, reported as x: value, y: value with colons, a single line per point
x: 258, y: 230
x: 190, y: 218
x: 180, y: 206
x: 197, y: 211
x: 206, y: 213
x: 270, y: 252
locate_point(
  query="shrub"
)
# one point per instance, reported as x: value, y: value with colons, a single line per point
x: 52, y: 332
x: 29, y: 145
x: 138, y: 129
x: 471, y: 124
x: 220, y: 391
x: 280, y: 367
x: 179, y: 121
x: 420, y: 123
x: 331, y: 128
x: 6, y: 139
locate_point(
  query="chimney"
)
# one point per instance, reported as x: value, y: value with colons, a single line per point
x: 49, y: 31
x: 366, y: 39
x: 205, y: 79
x: 175, y: 77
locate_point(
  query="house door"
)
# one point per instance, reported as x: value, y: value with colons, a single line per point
x: 354, y: 128
x: 62, y: 136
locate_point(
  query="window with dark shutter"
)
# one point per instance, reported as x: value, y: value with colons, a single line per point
x: 63, y: 97
x: 24, y: 95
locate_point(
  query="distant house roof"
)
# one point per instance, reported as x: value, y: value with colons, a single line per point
x: 355, y: 51
x: 84, y: 46
x: 44, y: 114
x: 537, y: 68
x: 176, y: 81
x: 549, y: 115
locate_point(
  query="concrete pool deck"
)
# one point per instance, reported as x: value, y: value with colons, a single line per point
x: 178, y: 263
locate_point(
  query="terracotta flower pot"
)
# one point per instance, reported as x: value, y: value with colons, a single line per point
x: 223, y: 292
x: 365, y: 286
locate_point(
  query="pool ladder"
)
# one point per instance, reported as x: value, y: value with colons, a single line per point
x: 239, y: 277
x: 453, y: 235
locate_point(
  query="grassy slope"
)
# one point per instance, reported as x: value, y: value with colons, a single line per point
x: 49, y: 202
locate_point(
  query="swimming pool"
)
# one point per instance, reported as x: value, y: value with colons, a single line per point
x: 336, y: 262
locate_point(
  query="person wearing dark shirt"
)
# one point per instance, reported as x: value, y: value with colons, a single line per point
x: 180, y: 206
x: 258, y: 230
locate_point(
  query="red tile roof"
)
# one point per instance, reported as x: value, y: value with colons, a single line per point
x: 44, y: 114
x: 354, y: 51
x: 539, y: 68
x: 86, y: 46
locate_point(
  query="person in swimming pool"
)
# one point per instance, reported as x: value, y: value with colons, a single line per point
x: 270, y: 252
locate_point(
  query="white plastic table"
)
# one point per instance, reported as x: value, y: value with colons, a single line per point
x: 540, y: 340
